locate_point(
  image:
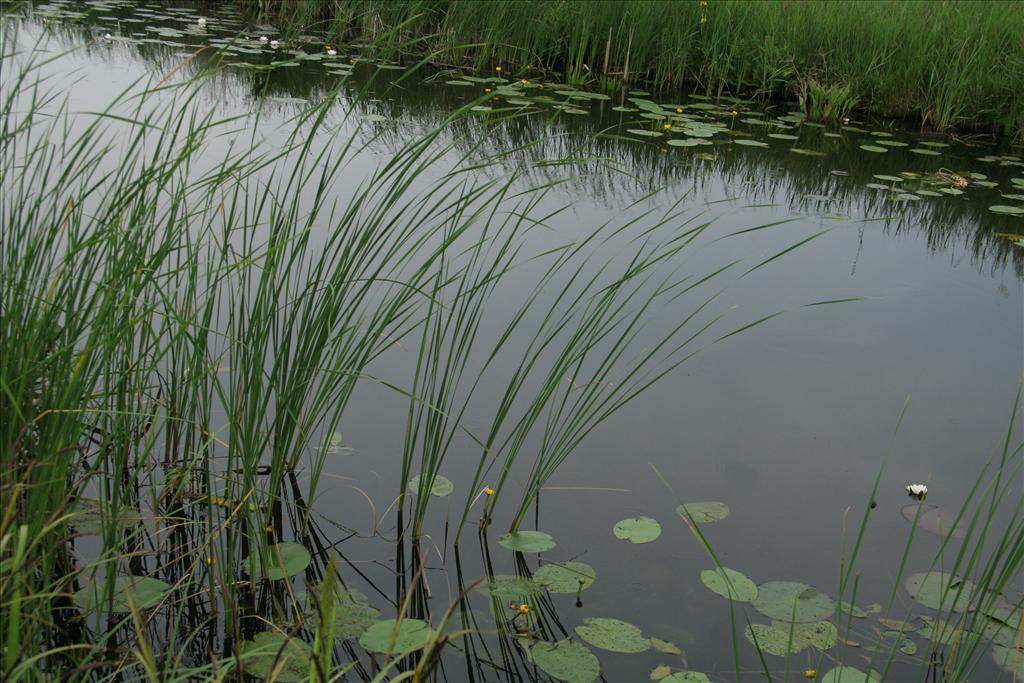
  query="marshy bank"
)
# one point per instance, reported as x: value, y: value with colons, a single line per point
x: 315, y: 365
x: 938, y: 65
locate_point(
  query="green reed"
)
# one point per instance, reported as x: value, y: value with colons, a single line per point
x: 945, y: 64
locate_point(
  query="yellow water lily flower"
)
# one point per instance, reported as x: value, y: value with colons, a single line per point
x: 810, y: 673
x: 498, y: 69
x: 667, y: 126
x: 488, y: 491
x: 523, y: 609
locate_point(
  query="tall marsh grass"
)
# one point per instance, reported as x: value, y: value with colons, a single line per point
x: 946, y: 64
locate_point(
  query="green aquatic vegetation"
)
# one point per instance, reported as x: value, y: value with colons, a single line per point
x: 275, y: 656
x: 704, y: 511
x: 126, y: 593
x: 792, y: 601
x: 279, y: 561
x: 729, y: 583
x: 527, y: 541
x: 570, y: 577
x: 637, y: 529
x: 613, y: 635
x: 440, y: 487
x: 566, y: 660
x: 397, y: 636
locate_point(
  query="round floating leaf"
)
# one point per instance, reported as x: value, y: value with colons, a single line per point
x: 282, y: 560
x: 665, y: 646
x: 1009, y: 658
x: 783, y: 136
x: 822, y: 635
x: 566, y: 660
x: 565, y: 578
x: 852, y: 610
x: 458, y: 82
x: 1014, y: 197
x: 846, y: 674
x: 686, y: 677
x: 951, y: 190
x: 613, y: 635
x: 140, y: 592
x: 929, y: 193
x: 90, y: 515
x: 703, y: 512
x: 272, y: 654
x: 891, y: 143
x: 441, y: 487
x: 747, y: 142
x: 412, y: 634
x: 688, y: 142
x: 908, y: 647
x: 505, y: 587
x: 873, y: 148
x: 940, y: 590
x: 1008, y: 210
x: 527, y: 541
x: 352, y: 615
x: 659, y: 672
x: 729, y: 583
x: 933, y: 519
x: 637, y: 529
x: 772, y: 640
x: 889, y: 178
x: 934, y: 144
x: 925, y: 152
x: 907, y: 197
x: 776, y: 599
x: 644, y: 133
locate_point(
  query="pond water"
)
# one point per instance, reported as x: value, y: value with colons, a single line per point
x: 789, y: 422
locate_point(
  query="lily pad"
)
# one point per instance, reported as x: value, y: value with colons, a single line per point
x: 527, y: 541
x: 772, y: 640
x: 889, y: 178
x: 665, y: 646
x: 1009, y: 658
x: 1007, y: 209
x: 729, y: 583
x: 847, y: 674
x: 412, y: 634
x: 282, y: 560
x: 850, y: 609
x: 570, y: 577
x: 637, y: 529
x: 90, y: 515
x: 776, y: 599
x: 783, y: 136
x: 822, y: 635
x: 925, y: 152
x: 938, y: 589
x: 273, y: 655
x: 934, y: 519
x: 140, y: 592
x: 441, y: 487
x: 747, y: 142
x: 613, y: 635
x: 705, y: 511
x: 686, y: 677
x: 873, y: 148
x: 644, y: 133
x: 566, y: 660
x: 352, y: 616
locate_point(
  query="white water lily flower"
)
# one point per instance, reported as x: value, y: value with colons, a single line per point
x: 918, y: 491
x: 332, y: 52
x: 108, y: 37
x: 263, y: 39
x: 201, y: 21
x: 274, y: 44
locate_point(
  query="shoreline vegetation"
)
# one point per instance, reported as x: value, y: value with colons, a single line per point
x: 940, y: 65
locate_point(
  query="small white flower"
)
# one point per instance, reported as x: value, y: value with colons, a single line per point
x: 274, y: 44
x: 263, y: 39
x: 332, y: 52
x: 846, y: 119
x: 918, y: 491
x: 108, y: 37
x: 201, y: 21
